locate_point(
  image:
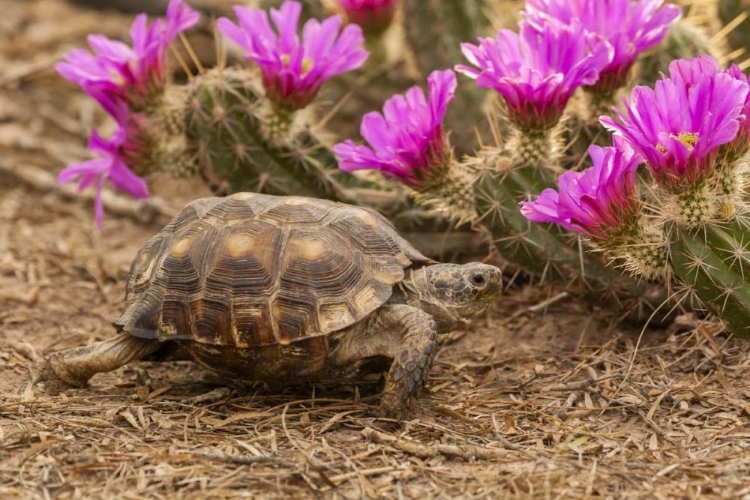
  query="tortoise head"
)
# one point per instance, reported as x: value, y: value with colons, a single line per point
x: 452, y: 293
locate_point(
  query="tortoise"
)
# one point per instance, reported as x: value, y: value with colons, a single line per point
x: 273, y: 288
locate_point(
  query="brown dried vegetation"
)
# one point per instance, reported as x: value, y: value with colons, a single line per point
x: 533, y: 402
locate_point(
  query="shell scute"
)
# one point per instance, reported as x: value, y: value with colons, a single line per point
x: 374, y: 235
x: 295, y: 211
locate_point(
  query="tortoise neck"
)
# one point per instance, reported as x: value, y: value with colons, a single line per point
x: 411, y: 289
x: 415, y: 290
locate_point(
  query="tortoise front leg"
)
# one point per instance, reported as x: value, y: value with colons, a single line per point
x: 403, y: 333
x: 74, y: 367
x: 412, y: 361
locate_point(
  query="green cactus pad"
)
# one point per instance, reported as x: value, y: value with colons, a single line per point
x: 714, y: 262
x: 550, y: 253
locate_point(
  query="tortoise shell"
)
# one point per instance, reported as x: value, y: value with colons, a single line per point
x: 253, y: 270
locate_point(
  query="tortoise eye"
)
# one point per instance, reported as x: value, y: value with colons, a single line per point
x: 478, y: 279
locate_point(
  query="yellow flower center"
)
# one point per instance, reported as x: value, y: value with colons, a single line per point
x: 307, y: 63
x: 687, y: 139
x: 117, y: 77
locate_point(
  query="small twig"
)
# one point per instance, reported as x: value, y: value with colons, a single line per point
x: 659, y: 432
x: 210, y: 397
x: 522, y: 386
x: 540, y: 306
x: 522, y: 451
x: 582, y: 386
x: 467, y: 452
x: 453, y: 414
x: 572, y: 400
x: 545, y: 303
x: 367, y: 472
x: 145, y: 211
x: 235, y: 459
x: 29, y: 298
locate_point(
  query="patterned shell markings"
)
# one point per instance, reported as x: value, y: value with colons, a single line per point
x: 251, y: 270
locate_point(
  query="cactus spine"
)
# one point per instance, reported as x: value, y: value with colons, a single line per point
x: 451, y: 196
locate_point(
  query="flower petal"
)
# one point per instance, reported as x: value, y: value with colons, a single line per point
x: 294, y: 70
x: 406, y: 141
x: 537, y: 70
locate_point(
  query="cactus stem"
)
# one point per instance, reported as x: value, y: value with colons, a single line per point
x: 597, y: 103
x: 643, y: 249
x: 692, y: 208
x: 451, y: 195
x: 281, y: 127
x: 711, y: 262
x: 536, y: 148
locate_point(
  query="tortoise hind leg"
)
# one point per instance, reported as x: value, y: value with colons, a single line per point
x: 74, y: 367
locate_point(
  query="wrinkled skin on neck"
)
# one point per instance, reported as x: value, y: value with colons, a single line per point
x: 451, y: 293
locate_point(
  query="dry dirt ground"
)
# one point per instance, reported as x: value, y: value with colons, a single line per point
x: 531, y: 402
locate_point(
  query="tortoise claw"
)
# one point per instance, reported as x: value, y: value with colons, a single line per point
x: 391, y: 406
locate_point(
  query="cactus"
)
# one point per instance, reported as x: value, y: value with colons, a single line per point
x: 714, y: 263
x: 543, y: 250
x: 224, y: 127
x: 549, y: 254
x: 258, y: 130
x: 235, y: 150
x: 687, y: 217
x: 434, y: 30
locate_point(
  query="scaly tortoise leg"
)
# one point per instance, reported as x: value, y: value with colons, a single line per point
x: 412, y: 361
x: 406, y: 335
x: 74, y: 367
